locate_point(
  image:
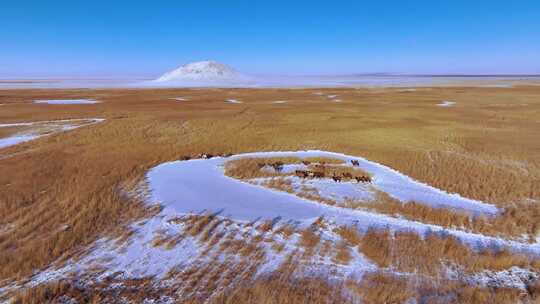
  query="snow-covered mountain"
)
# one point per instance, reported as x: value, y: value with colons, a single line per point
x: 203, y: 71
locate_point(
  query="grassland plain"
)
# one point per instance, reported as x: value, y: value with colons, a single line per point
x: 61, y: 192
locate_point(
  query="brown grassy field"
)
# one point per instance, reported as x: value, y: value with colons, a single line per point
x: 61, y: 192
x: 216, y: 282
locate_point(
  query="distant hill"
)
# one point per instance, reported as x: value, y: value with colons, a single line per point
x: 204, y: 72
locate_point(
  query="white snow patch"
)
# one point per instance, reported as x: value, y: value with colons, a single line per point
x: 53, y: 126
x: 514, y: 277
x: 327, y: 188
x: 497, y: 86
x: 179, y: 99
x: 16, y: 139
x: 233, y: 101
x: 202, y: 186
x: 49, y: 122
x: 280, y: 101
x: 446, y: 103
x: 66, y: 101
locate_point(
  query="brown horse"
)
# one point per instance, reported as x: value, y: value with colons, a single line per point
x: 205, y: 155
x: 320, y: 167
x: 301, y: 173
x: 306, y: 162
x: 278, y: 166
x: 186, y: 157
x: 317, y: 174
x: 363, y: 179
x: 347, y: 175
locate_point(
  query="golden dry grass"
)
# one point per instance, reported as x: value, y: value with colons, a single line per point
x: 379, y: 288
x: 331, y: 170
x: 279, y: 288
x: 513, y: 221
x: 309, y: 238
x: 246, y: 168
x: 324, y: 160
x: 485, y: 147
x: 388, y: 288
x: 275, y: 289
x: 408, y: 252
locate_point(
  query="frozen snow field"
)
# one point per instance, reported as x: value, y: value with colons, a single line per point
x: 65, y: 101
x: 446, y: 104
x: 37, y: 129
x: 233, y: 101
x: 16, y: 139
x: 179, y: 98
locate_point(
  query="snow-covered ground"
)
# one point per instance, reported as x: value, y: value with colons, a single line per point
x: 263, y: 81
x: 37, y: 129
x: 233, y: 101
x: 66, y: 101
x: 179, y: 98
x: 16, y: 139
x: 446, y: 103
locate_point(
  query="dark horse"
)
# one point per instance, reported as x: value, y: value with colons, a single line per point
x: 336, y: 178
x: 363, y: 179
x: 301, y: 173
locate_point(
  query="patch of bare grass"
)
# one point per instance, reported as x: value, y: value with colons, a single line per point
x: 512, y: 222
x: 349, y: 234
x: 408, y: 252
x: 324, y: 160
x: 343, y: 254
x: 309, y: 238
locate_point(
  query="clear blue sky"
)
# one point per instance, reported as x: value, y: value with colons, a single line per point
x: 146, y: 38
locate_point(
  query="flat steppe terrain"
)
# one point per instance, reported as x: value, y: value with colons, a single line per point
x: 61, y: 192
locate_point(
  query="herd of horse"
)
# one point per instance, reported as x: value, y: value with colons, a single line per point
x: 335, y: 177
x: 319, y: 172
x: 205, y: 156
